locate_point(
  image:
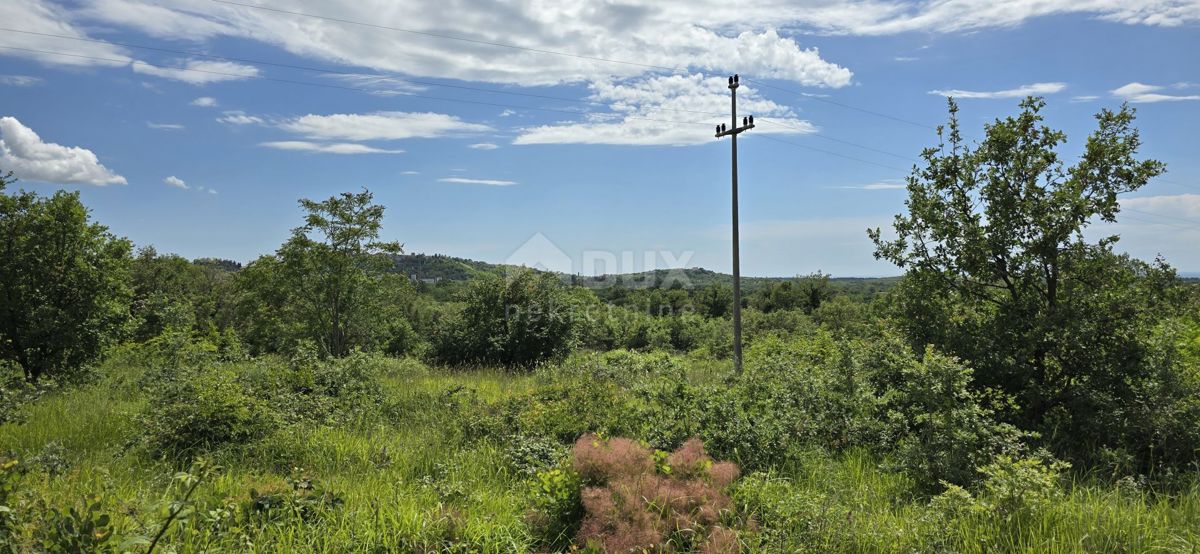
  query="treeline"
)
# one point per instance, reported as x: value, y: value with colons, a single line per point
x: 1017, y: 327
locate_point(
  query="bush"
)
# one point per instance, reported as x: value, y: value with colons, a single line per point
x: 516, y: 321
x: 635, y: 500
x: 199, y: 409
x: 944, y: 430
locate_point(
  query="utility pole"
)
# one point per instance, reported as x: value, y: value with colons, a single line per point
x: 734, y: 131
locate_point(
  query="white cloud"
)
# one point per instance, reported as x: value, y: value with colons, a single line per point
x: 646, y: 35
x: 199, y: 72
x: 41, y: 16
x: 164, y: 126
x: 1167, y: 225
x: 648, y: 112
x: 466, y: 181
x: 24, y: 153
x: 238, y: 117
x: 20, y: 80
x: 1036, y: 89
x: 379, y: 126
x: 906, y: 58
x: 205, y: 102
x: 1084, y: 98
x: 507, y: 113
x: 1171, y: 206
x: 175, y: 182
x: 882, y: 185
x: 334, y: 148
x: 410, y: 172
x: 1139, y: 93
x: 483, y: 146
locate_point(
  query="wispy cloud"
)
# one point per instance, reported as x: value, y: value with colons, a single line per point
x: 328, y: 148
x: 466, y: 181
x: 205, y: 102
x: 198, y: 72
x: 379, y: 126
x: 164, y: 126
x: 20, y: 80
x: 1034, y: 89
x: 906, y: 58
x: 238, y: 117
x: 636, y: 104
x: 1140, y: 93
x: 483, y: 146
x: 881, y: 185
x: 1084, y: 98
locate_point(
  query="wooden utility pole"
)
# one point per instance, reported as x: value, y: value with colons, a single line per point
x: 734, y: 131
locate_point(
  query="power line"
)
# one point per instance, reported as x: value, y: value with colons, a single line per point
x: 551, y: 52
x: 1165, y: 223
x: 779, y: 123
x: 840, y: 141
x: 831, y: 153
x: 450, y: 37
x: 337, y: 72
x: 1184, y: 219
x: 339, y: 87
x: 835, y: 103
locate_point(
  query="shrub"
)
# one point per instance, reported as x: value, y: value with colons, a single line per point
x: 199, y: 409
x: 632, y: 503
x: 84, y: 529
x: 10, y: 477
x: 515, y: 321
x: 943, y: 428
x: 1016, y: 487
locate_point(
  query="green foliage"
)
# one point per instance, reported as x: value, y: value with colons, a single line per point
x: 65, y: 281
x: 10, y: 476
x: 516, y: 321
x: 1000, y: 273
x: 171, y: 292
x: 804, y: 293
x: 557, y: 507
x: 197, y: 409
x: 331, y: 283
x: 944, y: 429
x: 85, y: 528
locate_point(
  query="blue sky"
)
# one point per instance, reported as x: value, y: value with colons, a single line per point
x: 199, y: 155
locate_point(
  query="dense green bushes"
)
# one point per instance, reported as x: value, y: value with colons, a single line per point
x: 516, y: 321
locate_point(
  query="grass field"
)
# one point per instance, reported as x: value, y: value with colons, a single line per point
x: 416, y: 474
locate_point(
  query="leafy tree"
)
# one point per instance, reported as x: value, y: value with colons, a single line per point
x: 170, y: 291
x: 515, y: 321
x: 805, y: 293
x: 715, y: 300
x: 331, y: 282
x: 1000, y: 273
x: 64, y: 291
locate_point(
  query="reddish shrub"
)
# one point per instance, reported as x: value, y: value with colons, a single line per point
x: 634, y: 508
x: 597, y: 461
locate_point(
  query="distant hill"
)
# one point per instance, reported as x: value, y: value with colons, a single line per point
x: 439, y: 267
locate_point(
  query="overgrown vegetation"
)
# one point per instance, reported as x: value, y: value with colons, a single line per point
x: 1019, y: 390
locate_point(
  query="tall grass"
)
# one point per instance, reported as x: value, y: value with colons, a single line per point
x: 409, y: 483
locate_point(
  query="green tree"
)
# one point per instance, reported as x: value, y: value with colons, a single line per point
x: 515, y: 321
x: 715, y: 300
x: 170, y: 291
x: 331, y: 282
x: 999, y: 271
x: 64, y: 283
